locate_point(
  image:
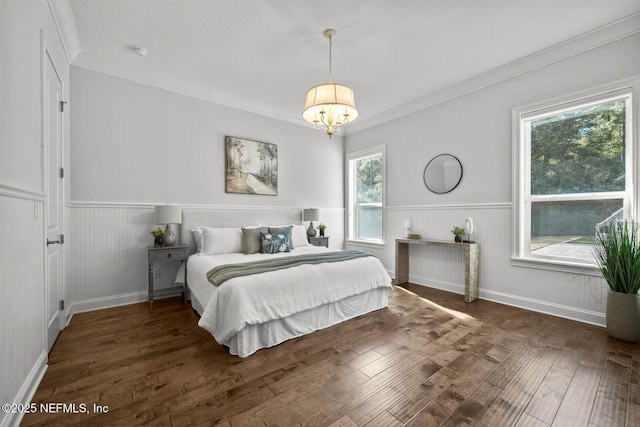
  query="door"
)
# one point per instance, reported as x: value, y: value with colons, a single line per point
x: 53, y: 142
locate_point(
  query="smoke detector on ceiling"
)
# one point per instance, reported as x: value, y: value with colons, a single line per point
x: 138, y: 50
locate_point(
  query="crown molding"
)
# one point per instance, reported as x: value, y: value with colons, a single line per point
x: 593, y: 39
x: 66, y: 25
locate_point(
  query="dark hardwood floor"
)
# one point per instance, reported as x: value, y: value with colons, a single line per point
x: 428, y: 359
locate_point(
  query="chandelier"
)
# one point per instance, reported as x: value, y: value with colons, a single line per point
x: 329, y: 106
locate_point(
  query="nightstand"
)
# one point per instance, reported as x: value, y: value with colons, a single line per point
x: 166, y: 254
x: 319, y: 241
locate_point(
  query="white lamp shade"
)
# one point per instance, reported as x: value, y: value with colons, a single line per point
x: 167, y: 214
x: 311, y: 214
x: 336, y: 101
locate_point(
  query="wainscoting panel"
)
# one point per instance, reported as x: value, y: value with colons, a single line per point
x: 576, y: 296
x: 107, y: 252
x: 107, y: 248
x: 108, y: 265
x: 22, y: 292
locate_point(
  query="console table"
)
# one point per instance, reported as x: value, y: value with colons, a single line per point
x: 471, y: 262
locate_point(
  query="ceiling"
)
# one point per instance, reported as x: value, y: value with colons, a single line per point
x: 263, y: 55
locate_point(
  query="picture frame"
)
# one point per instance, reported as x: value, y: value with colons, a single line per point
x: 251, y: 167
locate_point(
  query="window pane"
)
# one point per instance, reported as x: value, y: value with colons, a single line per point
x: 567, y: 228
x: 580, y: 151
x: 369, y: 179
x: 369, y: 222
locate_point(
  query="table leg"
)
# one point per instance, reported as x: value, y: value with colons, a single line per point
x: 150, y: 287
x: 402, y: 263
x: 471, y: 272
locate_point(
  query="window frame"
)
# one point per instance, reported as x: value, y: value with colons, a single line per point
x: 522, y: 198
x: 351, y: 202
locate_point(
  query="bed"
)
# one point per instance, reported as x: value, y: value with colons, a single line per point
x: 255, y: 311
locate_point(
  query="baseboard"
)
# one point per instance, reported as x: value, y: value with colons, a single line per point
x: 27, y: 391
x: 558, y: 310
x: 108, y: 302
x: 437, y: 284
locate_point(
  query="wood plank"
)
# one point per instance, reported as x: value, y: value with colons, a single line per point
x: 589, y: 370
x: 382, y: 400
x: 633, y: 404
x: 611, y: 398
x: 385, y: 419
x: 474, y: 408
x: 527, y: 420
x: 343, y: 422
x: 575, y: 409
x: 511, y: 366
x: 547, y: 399
x: 431, y: 415
x: 516, y: 396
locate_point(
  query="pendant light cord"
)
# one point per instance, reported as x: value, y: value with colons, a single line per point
x: 330, y: 58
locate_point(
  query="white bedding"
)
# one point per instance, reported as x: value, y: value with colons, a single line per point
x: 239, y: 304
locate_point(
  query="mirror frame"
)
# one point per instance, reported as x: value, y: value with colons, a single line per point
x: 424, y: 174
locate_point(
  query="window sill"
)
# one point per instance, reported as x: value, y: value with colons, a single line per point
x: 560, y: 266
x: 365, y: 243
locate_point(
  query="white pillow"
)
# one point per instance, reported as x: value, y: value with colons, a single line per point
x: 222, y: 240
x: 299, y: 236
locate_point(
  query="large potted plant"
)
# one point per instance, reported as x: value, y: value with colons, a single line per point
x: 618, y: 257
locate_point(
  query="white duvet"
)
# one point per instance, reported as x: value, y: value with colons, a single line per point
x: 256, y: 299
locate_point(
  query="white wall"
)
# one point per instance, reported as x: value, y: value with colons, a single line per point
x: 476, y: 127
x: 133, y: 146
x: 137, y: 143
x: 22, y: 315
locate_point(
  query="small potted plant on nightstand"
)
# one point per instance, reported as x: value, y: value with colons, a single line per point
x: 458, y: 232
x: 322, y: 227
x: 158, y: 237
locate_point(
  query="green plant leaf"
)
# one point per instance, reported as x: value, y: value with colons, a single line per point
x: 618, y: 256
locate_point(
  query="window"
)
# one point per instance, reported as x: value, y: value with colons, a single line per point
x: 366, y: 178
x: 574, y: 174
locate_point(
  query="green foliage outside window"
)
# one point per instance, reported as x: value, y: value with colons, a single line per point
x: 580, y: 151
x: 368, y: 194
x: 369, y: 180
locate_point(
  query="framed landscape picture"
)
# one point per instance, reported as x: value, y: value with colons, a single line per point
x: 252, y: 166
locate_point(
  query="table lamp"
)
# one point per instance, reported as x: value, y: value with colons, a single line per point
x: 168, y: 214
x: 311, y: 215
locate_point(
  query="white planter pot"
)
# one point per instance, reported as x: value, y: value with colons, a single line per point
x: 623, y: 316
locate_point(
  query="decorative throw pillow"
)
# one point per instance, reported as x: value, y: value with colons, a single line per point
x: 251, y: 239
x: 283, y: 229
x: 274, y: 243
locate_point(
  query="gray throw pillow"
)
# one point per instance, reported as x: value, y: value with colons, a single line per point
x: 251, y: 239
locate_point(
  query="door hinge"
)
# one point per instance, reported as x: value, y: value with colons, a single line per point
x: 61, y: 172
x: 61, y: 304
x: 62, y: 103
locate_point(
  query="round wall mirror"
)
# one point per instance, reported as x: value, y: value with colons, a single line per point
x: 443, y: 173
